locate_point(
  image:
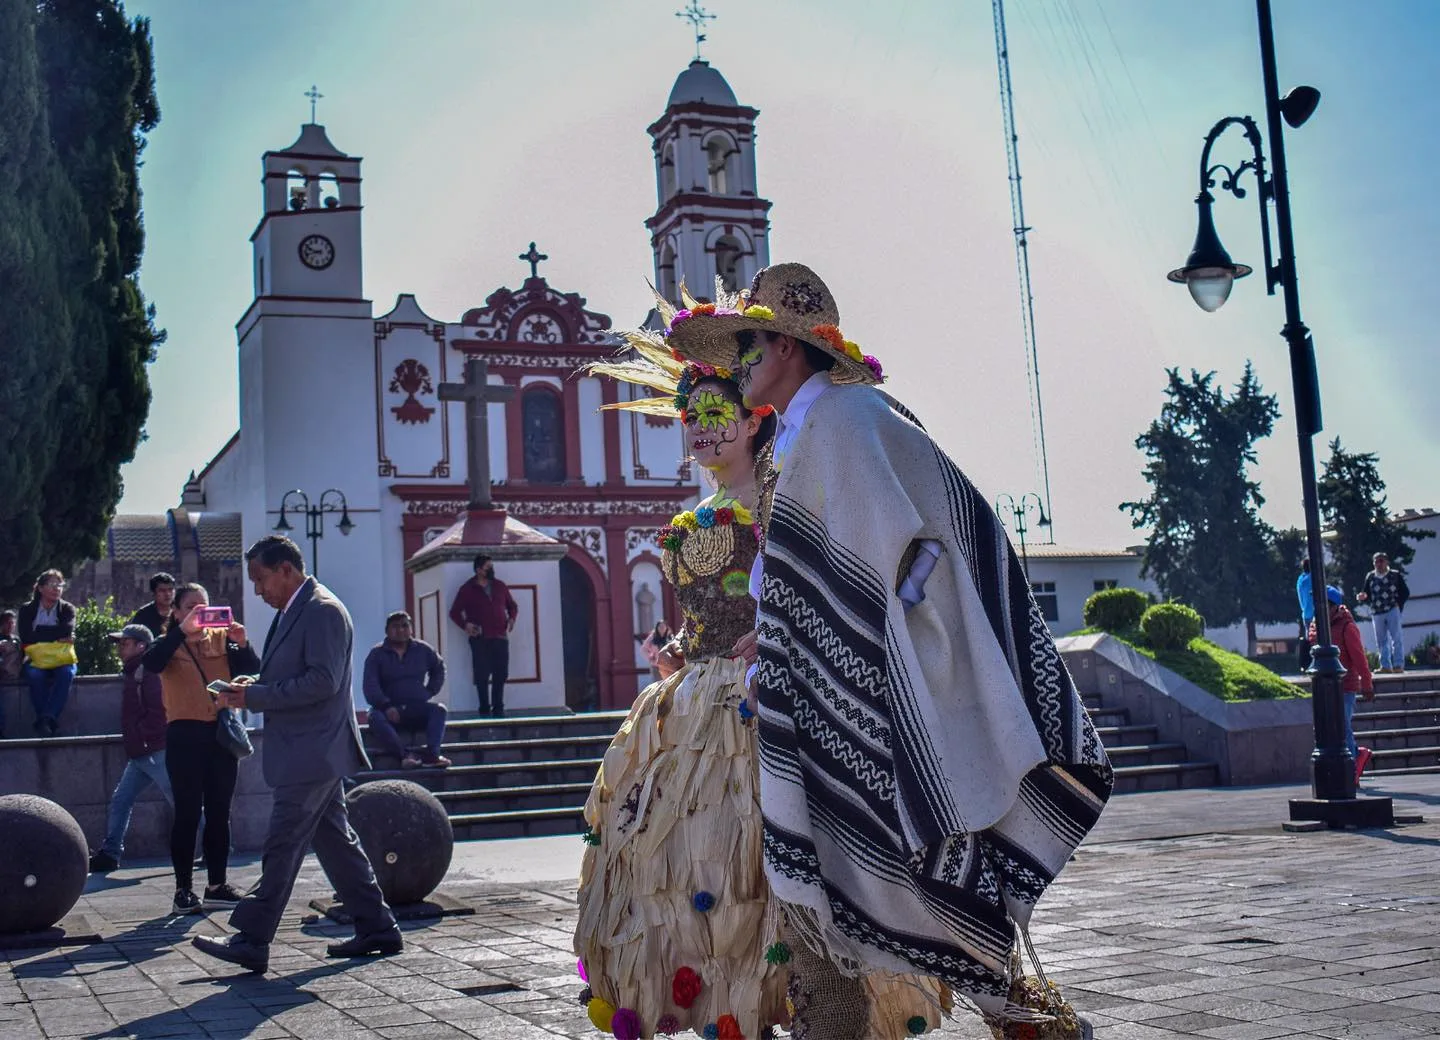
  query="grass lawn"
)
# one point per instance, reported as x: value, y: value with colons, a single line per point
x: 1227, y: 675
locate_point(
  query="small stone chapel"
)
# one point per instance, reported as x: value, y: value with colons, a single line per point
x: 346, y: 415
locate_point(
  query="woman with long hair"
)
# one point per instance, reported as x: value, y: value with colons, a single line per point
x: 47, y: 633
x: 677, y: 928
x: 202, y: 771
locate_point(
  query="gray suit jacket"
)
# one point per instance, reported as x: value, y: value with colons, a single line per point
x: 304, y: 690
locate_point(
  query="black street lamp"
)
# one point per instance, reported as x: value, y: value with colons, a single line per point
x: 315, y: 519
x: 1210, y: 273
x: 1018, y: 513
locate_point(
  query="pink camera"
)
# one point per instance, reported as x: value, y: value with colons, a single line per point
x: 214, y: 617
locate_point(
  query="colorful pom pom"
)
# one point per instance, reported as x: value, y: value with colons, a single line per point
x: 705, y: 516
x: 916, y: 1025
x: 711, y: 1032
x: 580, y: 969
x: 591, y: 836
x: 685, y: 987
x: 703, y: 901
x: 777, y: 953
x: 728, y: 1028
x: 873, y: 364
x: 586, y: 995
x: 601, y: 1014
x: 747, y: 714
x: 669, y: 1025
x: 625, y: 1025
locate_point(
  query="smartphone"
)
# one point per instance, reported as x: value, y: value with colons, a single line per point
x: 219, y: 686
x: 214, y: 617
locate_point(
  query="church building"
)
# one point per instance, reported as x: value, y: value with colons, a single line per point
x: 343, y: 428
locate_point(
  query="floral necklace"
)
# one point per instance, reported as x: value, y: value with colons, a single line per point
x: 703, y: 518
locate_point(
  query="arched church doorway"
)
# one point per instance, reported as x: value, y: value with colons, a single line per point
x: 577, y: 628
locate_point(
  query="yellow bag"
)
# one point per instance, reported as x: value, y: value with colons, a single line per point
x: 46, y: 656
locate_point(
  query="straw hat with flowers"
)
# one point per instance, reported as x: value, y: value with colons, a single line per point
x: 789, y: 299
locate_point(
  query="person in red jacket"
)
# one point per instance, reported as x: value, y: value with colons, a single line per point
x: 486, y: 611
x: 1359, y: 681
x: 142, y: 727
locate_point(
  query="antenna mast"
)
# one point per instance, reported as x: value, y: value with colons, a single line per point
x: 1022, y: 256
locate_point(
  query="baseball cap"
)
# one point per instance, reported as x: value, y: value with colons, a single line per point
x: 139, y: 633
x: 1334, y: 595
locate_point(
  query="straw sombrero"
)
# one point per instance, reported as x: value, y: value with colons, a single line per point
x: 786, y: 298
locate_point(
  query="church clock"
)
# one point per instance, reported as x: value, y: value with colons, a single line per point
x: 317, y: 252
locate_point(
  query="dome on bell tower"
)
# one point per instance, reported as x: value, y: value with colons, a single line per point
x: 701, y: 83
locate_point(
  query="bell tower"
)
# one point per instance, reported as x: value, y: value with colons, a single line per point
x: 710, y: 218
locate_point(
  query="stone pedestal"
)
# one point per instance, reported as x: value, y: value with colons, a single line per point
x: 529, y: 563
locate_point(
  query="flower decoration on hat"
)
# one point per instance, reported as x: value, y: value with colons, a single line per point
x: 685, y: 987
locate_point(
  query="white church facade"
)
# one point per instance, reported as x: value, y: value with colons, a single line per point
x: 337, y: 398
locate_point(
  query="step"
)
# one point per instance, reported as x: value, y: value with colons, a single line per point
x: 1123, y: 736
x: 539, y: 749
x: 513, y: 799
x: 1091, y: 700
x: 530, y: 823
x: 1410, y: 700
x: 1405, y: 757
x: 1109, y: 718
x: 490, y: 775
x: 1166, y: 777
x: 1159, y: 754
x: 1373, y: 773
x: 1407, y: 737
x: 1399, y: 717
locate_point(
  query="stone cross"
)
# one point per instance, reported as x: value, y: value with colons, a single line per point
x: 476, y: 393
x: 533, y: 258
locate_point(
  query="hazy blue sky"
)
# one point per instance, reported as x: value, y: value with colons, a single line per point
x: 484, y: 125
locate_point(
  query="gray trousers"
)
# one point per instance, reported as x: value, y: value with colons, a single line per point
x: 309, y: 816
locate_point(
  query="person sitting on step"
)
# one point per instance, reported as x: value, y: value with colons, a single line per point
x: 402, y: 674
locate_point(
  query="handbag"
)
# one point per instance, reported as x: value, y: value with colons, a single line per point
x: 46, y: 656
x: 229, y: 729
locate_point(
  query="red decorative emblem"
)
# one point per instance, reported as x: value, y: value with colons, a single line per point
x: 411, y: 378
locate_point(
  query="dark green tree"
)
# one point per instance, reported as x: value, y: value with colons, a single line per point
x: 76, y: 99
x: 1352, y: 503
x: 1208, y: 546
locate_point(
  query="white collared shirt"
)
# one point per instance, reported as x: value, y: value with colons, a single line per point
x: 291, y: 601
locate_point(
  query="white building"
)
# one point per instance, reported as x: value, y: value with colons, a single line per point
x: 334, y: 396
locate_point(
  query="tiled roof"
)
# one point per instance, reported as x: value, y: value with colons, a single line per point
x: 1065, y: 552
x: 218, y: 536
x: 141, y: 538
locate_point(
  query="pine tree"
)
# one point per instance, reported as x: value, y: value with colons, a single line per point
x: 1208, y: 546
x: 77, y: 94
x: 1352, y: 503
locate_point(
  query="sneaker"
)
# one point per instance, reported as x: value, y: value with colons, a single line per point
x: 101, y: 862
x: 185, y: 902
x: 221, y: 897
x: 410, y: 762
x: 1362, y: 759
x: 437, y: 761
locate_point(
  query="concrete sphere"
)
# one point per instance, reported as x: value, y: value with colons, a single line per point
x: 406, y: 833
x: 45, y: 864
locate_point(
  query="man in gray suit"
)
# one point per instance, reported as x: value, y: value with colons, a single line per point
x: 311, y: 743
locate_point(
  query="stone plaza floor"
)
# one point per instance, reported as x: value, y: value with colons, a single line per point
x: 1187, y: 914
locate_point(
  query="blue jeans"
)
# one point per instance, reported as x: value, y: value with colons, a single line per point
x: 1350, y: 741
x: 49, y: 689
x: 1387, y: 631
x: 139, y: 773
x: 413, y: 714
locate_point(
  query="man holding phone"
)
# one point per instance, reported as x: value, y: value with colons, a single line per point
x: 311, y: 743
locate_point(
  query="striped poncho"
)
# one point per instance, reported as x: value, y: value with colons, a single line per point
x: 924, y: 774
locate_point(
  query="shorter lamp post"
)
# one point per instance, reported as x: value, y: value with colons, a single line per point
x: 315, y: 518
x: 1020, y: 520
x: 1209, y: 273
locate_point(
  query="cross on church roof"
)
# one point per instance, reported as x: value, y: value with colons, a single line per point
x: 533, y: 258
x: 476, y: 393
x: 697, y: 16
x: 314, y: 95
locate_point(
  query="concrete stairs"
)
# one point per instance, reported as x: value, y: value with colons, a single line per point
x: 523, y: 777
x: 1401, y: 726
x: 1142, y: 761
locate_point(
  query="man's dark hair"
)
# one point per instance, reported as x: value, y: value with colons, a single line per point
x: 8, y: 615
x: 161, y: 578
x: 480, y: 561
x: 275, y: 549
x: 188, y: 588
x: 397, y: 615
x: 817, y: 359
x: 1304, y: 566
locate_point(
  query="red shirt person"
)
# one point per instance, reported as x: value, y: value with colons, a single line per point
x: 486, y: 611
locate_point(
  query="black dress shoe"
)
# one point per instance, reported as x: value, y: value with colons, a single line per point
x: 237, y: 949
x: 381, y: 944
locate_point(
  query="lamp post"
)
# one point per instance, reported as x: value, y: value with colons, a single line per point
x: 1019, y: 519
x: 1210, y: 273
x: 315, y: 518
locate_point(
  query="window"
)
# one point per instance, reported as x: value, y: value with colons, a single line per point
x: 329, y: 192
x: 668, y: 179
x: 727, y: 262
x: 1101, y: 584
x: 718, y: 151
x: 543, y: 429
x: 1046, y: 600
x: 297, y: 190
x: 668, y: 282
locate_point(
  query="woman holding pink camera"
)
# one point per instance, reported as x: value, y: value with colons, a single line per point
x: 201, y: 645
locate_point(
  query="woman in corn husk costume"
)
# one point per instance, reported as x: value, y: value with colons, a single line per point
x: 677, y: 930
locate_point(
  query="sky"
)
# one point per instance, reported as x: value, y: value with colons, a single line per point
x: 486, y: 125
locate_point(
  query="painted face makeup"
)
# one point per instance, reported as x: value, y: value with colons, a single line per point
x: 752, y: 352
x: 712, y: 425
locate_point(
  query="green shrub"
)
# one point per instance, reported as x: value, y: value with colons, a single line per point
x: 1115, y: 610
x: 93, y: 624
x: 1171, y: 626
